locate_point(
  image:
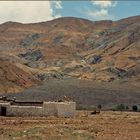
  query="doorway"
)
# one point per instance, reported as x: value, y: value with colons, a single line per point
x: 3, y: 111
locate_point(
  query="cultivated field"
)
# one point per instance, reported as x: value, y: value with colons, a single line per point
x: 103, y: 126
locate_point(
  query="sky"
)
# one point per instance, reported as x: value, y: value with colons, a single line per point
x: 38, y: 11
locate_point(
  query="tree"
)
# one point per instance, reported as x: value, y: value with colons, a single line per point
x: 99, y: 106
x: 127, y: 108
x: 120, y: 107
x: 135, y: 108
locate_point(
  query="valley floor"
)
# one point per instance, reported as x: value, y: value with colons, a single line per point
x: 87, y: 94
x: 103, y: 126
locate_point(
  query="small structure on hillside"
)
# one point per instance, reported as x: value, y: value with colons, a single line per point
x: 20, y: 108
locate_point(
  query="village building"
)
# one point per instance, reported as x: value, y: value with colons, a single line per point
x: 24, y: 108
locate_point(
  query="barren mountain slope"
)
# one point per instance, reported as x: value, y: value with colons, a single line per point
x: 103, y: 51
x: 14, y: 79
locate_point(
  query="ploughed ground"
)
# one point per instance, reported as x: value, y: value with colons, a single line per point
x: 84, y: 126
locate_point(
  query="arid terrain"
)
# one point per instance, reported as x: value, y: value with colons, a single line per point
x: 87, y: 94
x: 101, y: 51
x: 90, y: 62
x: 104, y: 126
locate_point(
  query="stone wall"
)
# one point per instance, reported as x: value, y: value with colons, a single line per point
x: 66, y: 109
x: 24, y: 111
x: 59, y: 109
x: 49, y: 109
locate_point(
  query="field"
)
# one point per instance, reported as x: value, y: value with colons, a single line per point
x: 107, y: 125
x: 84, y: 126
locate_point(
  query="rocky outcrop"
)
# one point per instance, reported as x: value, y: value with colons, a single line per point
x: 34, y: 55
x: 94, y: 59
x: 29, y: 39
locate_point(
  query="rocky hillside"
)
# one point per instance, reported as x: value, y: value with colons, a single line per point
x: 14, y: 79
x: 103, y: 51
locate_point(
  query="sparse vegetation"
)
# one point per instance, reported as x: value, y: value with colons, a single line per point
x: 82, y: 127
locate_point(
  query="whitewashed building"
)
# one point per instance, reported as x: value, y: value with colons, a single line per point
x: 18, y: 108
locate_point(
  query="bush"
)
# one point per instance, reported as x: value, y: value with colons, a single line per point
x: 134, y: 108
x: 127, y: 108
x: 120, y: 107
x: 99, y: 106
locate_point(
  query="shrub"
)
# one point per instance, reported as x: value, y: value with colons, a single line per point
x: 127, y: 108
x: 120, y: 107
x: 134, y: 108
x: 99, y: 106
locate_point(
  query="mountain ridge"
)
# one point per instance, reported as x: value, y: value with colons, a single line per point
x: 101, y: 51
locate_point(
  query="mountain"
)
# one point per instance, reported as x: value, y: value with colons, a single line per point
x: 13, y: 78
x: 101, y: 51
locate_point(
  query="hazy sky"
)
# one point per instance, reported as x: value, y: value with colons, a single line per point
x: 37, y: 11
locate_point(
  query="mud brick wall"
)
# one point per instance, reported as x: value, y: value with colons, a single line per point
x: 24, y: 111
x: 59, y: 109
x: 49, y: 109
x: 66, y: 109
